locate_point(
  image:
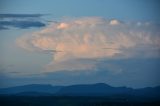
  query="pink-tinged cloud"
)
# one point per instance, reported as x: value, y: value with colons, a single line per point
x: 114, y: 22
x: 93, y: 38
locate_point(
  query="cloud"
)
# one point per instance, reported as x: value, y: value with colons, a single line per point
x: 114, y: 22
x: 21, y: 24
x: 62, y: 26
x: 20, y: 15
x: 93, y: 38
x: 72, y: 65
x: 21, y: 21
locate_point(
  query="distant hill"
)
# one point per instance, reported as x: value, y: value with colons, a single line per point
x: 39, y: 88
x: 99, y: 89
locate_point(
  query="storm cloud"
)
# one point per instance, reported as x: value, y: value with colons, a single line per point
x: 93, y: 38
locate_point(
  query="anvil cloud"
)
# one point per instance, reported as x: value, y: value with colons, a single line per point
x: 89, y: 38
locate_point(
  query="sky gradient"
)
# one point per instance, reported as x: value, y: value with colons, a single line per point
x: 75, y: 42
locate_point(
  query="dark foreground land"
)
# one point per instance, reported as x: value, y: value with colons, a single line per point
x: 72, y: 101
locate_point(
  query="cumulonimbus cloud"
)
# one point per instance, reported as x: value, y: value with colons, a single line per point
x: 93, y: 38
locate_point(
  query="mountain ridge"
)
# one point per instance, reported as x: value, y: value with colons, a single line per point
x: 97, y: 89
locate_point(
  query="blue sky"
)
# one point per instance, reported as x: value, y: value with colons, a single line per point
x: 114, y: 42
x: 123, y: 9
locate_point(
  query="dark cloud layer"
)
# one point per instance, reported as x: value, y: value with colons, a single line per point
x: 20, y: 24
x: 22, y: 21
x: 20, y: 15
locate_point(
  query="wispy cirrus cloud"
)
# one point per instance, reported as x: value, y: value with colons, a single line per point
x: 92, y: 38
x: 22, y: 21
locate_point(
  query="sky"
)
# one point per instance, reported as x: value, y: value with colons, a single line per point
x: 70, y: 42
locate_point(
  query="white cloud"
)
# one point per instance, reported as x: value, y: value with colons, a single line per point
x: 62, y: 26
x: 114, y: 22
x: 92, y: 38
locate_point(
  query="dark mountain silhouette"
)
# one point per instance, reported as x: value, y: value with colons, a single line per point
x: 36, y: 88
x: 99, y: 89
x: 33, y: 93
